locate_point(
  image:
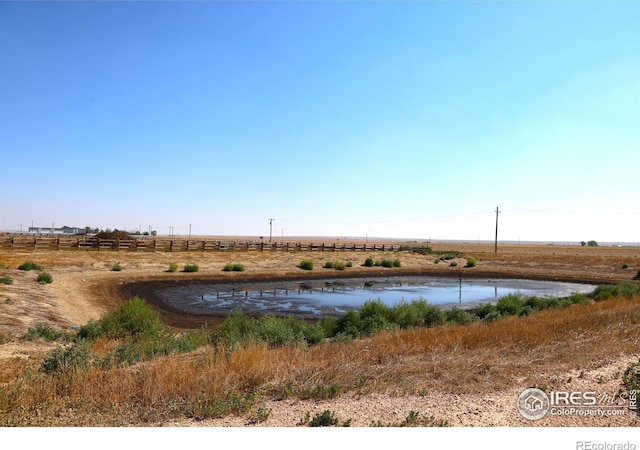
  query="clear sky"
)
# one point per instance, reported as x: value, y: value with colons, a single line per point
x: 410, y: 119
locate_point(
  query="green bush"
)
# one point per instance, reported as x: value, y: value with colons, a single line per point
x: 482, y: 311
x: 46, y: 332
x: 173, y: 267
x: 325, y: 419
x: 6, y: 280
x: 116, y: 267
x: 368, y: 262
x: 239, y: 329
x: 29, y: 266
x: 453, y: 264
x: 471, y: 262
x: 44, y: 278
x: 190, y: 268
x: 510, y: 305
x: 68, y: 359
x: 233, y: 268
x: 625, y: 288
x: 329, y: 265
x: 338, y: 265
x: 459, y: 316
x: 349, y: 324
x: 306, y: 265
x: 386, y: 263
x: 396, y: 263
x: 133, y: 319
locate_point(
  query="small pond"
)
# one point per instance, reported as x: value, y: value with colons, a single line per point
x: 315, y: 298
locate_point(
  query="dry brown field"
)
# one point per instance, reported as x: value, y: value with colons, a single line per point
x: 463, y: 376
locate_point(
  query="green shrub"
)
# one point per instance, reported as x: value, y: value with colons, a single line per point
x: 349, y: 264
x: 329, y: 265
x: 46, y: 332
x: 329, y: 325
x: 6, y: 280
x: 68, y: 359
x: 338, y: 265
x: 173, y: 267
x: 44, y: 278
x: 453, y: 264
x: 407, y: 315
x: 471, y: 262
x: 306, y: 265
x: 368, y: 262
x: 325, y: 419
x: 133, y: 319
x: 510, y: 305
x: 482, y: 311
x: 349, y: 324
x: 631, y: 377
x: 459, y: 316
x: 233, y: 268
x: 396, y: 263
x: 116, y: 267
x: 625, y: 288
x: 190, y: 268
x: 29, y: 266
x: 577, y: 298
x: 386, y: 263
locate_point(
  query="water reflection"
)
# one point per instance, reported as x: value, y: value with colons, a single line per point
x: 335, y: 297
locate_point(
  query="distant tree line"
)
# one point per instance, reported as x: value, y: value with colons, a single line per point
x: 589, y: 244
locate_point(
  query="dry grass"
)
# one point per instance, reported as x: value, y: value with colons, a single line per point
x: 213, y: 383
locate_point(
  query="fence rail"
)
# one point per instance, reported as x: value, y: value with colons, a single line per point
x: 27, y: 243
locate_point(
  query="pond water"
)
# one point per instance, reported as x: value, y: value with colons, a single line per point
x: 315, y: 298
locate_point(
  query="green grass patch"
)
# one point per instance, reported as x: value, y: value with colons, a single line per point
x: 190, y: 268
x: 45, y: 278
x: 29, y: 265
x: 306, y: 265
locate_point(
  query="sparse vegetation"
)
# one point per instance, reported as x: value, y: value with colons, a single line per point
x: 46, y: 332
x: 471, y: 262
x: 6, y: 280
x: 233, y: 267
x: 190, y: 268
x: 306, y: 265
x: 29, y: 265
x: 173, y: 267
x: 116, y: 267
x: 45, y: 278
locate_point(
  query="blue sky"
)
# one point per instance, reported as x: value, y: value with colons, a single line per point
x: 393, y: 119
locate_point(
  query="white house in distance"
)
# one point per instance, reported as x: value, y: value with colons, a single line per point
x: 64, y: 231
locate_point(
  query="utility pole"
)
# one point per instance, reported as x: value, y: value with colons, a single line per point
x: 270, y: 228
x: 189, y: 231
x: 496, y: 243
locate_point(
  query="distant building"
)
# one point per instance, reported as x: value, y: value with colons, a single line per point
x: 64, y: 231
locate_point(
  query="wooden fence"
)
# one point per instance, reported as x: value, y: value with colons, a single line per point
x: 28, y: 243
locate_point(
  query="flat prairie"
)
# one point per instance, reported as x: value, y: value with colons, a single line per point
x: 468, y: 378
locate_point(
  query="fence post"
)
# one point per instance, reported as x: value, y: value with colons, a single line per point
x: 35, y: 243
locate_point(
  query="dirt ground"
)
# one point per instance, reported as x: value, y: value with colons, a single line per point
x: 85, y: 287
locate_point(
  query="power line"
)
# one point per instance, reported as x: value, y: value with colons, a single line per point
x: 270, y: 228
